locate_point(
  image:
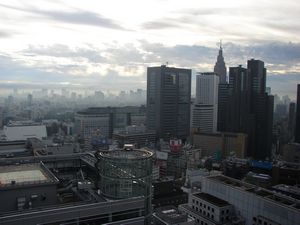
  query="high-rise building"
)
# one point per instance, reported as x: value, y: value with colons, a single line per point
x: 292, y: 118
x: 261, y: 107
x: 168, y: 101
x: 297, y: 128
x: 220, y: 68
x: 246, y: 107
x: 223, y: 95
x: 205, y: 109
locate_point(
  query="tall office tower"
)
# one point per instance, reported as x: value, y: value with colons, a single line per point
x: 292, y: 118
x: 261, y: 107
x: 248, y: 108
x: 168, y: 101
x: 237, y: 119
x: 223, y: 96
x: 205, y: 109
x: 297, y: 128
x: 220, y: 68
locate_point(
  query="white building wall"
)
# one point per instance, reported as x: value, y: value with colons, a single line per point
x: 251, y: 205
x: 19, y: 133
x: 207, y: 88
x: 205, y: 109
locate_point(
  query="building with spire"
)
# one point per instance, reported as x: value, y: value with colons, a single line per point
x: 220, y: 68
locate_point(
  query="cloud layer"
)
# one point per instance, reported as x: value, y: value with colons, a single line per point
x: 109, y: 45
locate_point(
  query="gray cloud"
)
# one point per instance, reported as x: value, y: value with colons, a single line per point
x: 5, y: 34
x: 80, y: 17
x: 58, y: 50
x: 77, y: 16
x: 278, y: 55
x: 156, y: 25
x: 282, y: 61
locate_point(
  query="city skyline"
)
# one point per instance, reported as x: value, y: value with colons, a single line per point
x: 75, y: 44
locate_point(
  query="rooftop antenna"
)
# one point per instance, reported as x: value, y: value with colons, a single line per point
x: 167, y: 63
x: 220, y: 43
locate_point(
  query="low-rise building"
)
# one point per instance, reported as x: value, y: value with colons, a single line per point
x: 221, y: 144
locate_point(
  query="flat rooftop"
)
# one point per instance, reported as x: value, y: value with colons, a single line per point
x: 212, y: 199
x: 25, y: 174
x: 258, y: 191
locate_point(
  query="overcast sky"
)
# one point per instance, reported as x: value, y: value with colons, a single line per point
x: 108, y: 44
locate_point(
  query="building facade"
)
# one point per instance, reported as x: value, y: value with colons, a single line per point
x: 205, y: 109
x: 247, y: 108
x: 297, y: 128
x: 168, y: 101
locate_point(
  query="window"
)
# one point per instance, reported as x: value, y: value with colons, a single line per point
x: 227, y: 211
x: 208, y: 207
x: 212, y: 209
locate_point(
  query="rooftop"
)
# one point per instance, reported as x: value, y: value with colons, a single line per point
x: 170, y: 214
x: 25, y: 174
x: 212, y: 199
x: 261, y: 192
x: 126, y: 154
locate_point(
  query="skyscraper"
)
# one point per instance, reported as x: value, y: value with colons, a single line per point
x: 220, y: 68
x: 292, y: 118
x: 248, y: 108
x: 297, y: 128
x: 168, y: 101
x: 205, y: 109
x: 261, y: 107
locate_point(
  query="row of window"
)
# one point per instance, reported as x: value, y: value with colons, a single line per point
x: 259, y: 221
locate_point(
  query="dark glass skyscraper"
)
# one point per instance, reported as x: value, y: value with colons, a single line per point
x: 248, y: 108
x: 297, y: 128
x: 220, y: 68
x: 168, y: 101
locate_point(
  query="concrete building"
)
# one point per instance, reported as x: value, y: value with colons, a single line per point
x: 205, y: 108
x: 168, y: 101
x: 26, y: 186
x: 255, y: 205
x: 207, y: 209
x: 291, y: 153
x: 107, y: 120
x: 286, y: 173
x: 135, y: 135
x: 21, y: 130
x: 223, y: 144
x: 69, y: 193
